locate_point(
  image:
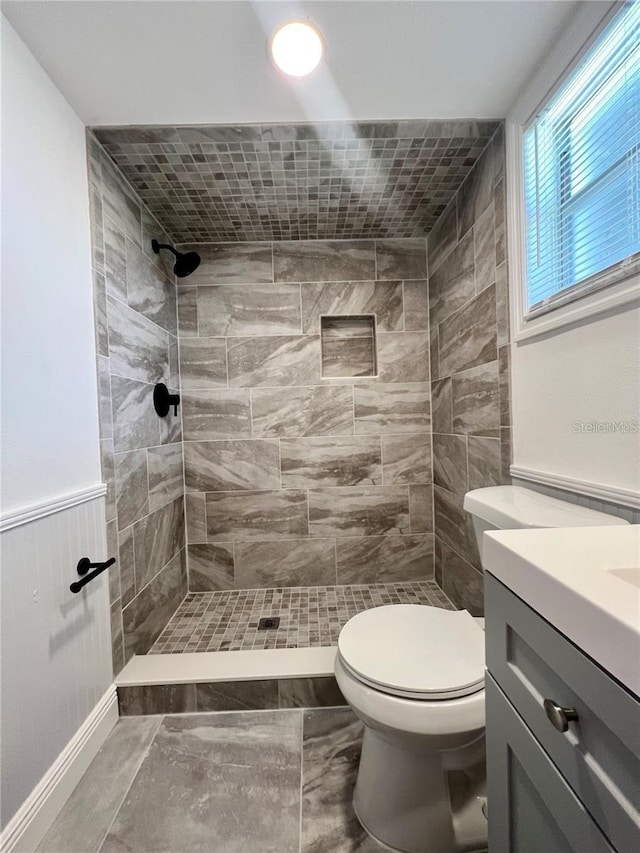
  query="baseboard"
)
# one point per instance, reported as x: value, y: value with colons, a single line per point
x: 27, y: 827
x: 610, y: 494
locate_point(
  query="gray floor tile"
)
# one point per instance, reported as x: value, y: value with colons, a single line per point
x: 83, y: 823
x: 215, y: 782
x: 331, y: 752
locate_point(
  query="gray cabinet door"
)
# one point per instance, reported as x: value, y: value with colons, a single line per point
x: 531, y: 807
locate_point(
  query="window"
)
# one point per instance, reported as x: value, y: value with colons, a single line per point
x: 582, y: 173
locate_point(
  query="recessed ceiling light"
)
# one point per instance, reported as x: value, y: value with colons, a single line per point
x: 297, y: 48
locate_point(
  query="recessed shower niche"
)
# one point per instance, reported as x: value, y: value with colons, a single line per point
x: 348, y: 346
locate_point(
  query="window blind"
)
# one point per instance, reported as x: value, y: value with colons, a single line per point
x: 582, y: 168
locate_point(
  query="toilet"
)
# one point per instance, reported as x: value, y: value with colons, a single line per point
x: 414, y: 675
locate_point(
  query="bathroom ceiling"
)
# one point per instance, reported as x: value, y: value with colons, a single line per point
x: 332, y: 180
x: 189, y: 62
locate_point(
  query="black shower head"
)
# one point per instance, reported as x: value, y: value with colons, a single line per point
x: 186, y: 262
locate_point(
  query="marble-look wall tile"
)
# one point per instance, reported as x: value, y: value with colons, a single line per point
x: 382, y: 298
x: 188, y: 312
x: 96, y: 210
x: 450, y: 462
x: 132, y: 486
x: 120, y: 203
x: 341, y: 461
x: 476, y: 400
x: 330, y: 260
x: 276, y: 360
x: 127, y: 565
x: 210, y: 567
x: 211, y: 415
x: 391, y: 408
x: 421, y: 508
x: 453, y: 284
x: 406, y: 459
x: 320, y: 410
x: 285, y: 563
x: 506, y: 458
x: 484, y: 462
x: 502, y: 304
x: 331, y: 752
x: 135, y: 423
x: 149, y: 699
x: 443, y: 237
x: 218, y: 466
x: 401, y: 258
x: 231, y: 263
x: 344, y: 357
x: 455, y: 526
x: 468, y: 337
x: 138, y: 348
x: 251, y: 309
x: 442, y: 406
x: 166, y: 477
x: 149, y: 291
x: 112, y: 551
x: 117, y: 637
x: 238, y: 695
x: 476, y: 193
x: 416, y: 305
x: 171, y: 425
x: 148, y: 613
x: 203, y: 363
x: 107, y: 467
x: 157, y: 539
x: 403, y: 356
x: 500, y: 221
x: 115, y: 266
x: 100, y: 313
x: 461, y: 582
x: 152, y: 230
x: 310, y: 693
x: 485, y: 248
x: 359, y: 511
x: 384, y: 559
x: 196, y: 518
x: 257, y: 515
x: 504, y: 374
x: 105, y: 421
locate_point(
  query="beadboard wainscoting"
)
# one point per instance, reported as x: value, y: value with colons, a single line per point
x: 56, y: 660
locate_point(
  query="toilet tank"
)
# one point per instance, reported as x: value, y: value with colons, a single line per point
x: 509, y: 507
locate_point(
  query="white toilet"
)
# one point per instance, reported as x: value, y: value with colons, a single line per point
x: 414, y: 675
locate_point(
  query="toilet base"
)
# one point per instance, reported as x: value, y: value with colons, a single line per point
x: 402, y: 797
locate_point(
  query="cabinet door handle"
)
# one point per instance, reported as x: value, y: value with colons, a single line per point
x: 558, y: 716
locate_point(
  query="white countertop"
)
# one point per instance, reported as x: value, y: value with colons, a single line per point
x: 564, y: 574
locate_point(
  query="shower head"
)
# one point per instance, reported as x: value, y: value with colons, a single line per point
x: 186, y: 262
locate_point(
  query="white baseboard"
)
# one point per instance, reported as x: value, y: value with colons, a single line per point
x: 610, y: 494
x: 29, y: 825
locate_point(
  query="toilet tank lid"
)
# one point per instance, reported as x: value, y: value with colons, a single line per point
x: 508, y: 507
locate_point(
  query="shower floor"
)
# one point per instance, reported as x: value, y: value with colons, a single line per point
x: 309, y: 616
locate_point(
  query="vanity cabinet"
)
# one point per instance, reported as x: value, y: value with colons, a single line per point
x: 563, y: 775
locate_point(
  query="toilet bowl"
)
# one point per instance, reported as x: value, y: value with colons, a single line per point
x: 414, y: 675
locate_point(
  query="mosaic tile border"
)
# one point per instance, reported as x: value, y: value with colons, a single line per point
x: 299, y: 181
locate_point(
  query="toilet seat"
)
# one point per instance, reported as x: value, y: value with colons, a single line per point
x: 415, y: 651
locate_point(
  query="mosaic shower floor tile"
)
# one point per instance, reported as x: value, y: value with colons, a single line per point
x: 309, y: 616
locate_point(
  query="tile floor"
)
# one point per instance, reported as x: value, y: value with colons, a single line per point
x: 241, y: 782
x: 309, y: 616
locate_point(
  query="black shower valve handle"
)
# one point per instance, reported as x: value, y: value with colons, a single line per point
x: 163, y: 399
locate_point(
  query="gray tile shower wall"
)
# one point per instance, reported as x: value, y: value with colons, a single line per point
x: 292, y: 477
x: 137, y: 346
x: 469, y: 337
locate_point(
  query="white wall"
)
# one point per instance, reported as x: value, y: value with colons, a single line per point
x: 49, y: 439
x: 56, y: 654
x: 587, y: 373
